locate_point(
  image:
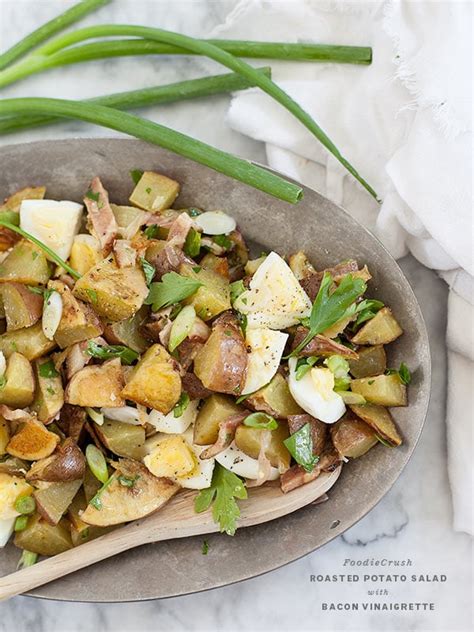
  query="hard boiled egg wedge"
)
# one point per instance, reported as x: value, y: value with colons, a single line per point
x: 236, y: 461
x: 314, y: 392
x: 275, y: 299
x: 201, y: 476
x: 266, y: 348
x: 11, y: 487
x: 52, y: 222
x: 170, y: 424
x: 6, y: 529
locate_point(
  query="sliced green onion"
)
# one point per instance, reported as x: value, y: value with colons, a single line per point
x: 20, y: 523
x: 180, y: 91
x: 159, y: 135
x: 96, y: 417
x: 25, y: 505
x: 97, y: 463
x: 45, y: 31
x: 96, y: 500
x: 44, y: 247
x: 28, y: 558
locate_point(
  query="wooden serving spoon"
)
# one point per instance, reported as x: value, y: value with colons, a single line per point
x: 177, y: 519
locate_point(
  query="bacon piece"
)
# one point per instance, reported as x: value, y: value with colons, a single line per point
x: 179, y: 230
x: 72, y: 420
x: 125, y: 255
x: 321, y: 346
x: 169, y: 260
x: 101, y: 219
x: 264, y: 465
x: 319, y: 430
x: 11, y: 414
x: 297, y: 476
x: 225, y: 436
x: 193, y: 386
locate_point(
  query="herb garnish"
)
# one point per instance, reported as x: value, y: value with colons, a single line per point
x: 105, y: 352
x: 148, y: 270
x: 300, y: 446
x: 366, y: 310
x: 224, y: 489
x: 236, y: 289
x: 261, y: 420
x: 403, y: 373
x: 172, y: 288
x: 152, y: 231
x: 92, y: 196
x: 192, y: 245
x: 303, y: 365
x: 205, y: 547
x: 181, y: 405
x: 223, y: 241
x: 330, y: 307
x: 47, y: 369
x: 136, y: 175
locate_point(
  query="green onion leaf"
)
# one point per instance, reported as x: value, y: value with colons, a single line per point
x: 21, y: 523
x: 403, y: 373
x: 236, y: 289
x: 172, y: 288
x: 300, y: 446
x: 148, y: 270
x: 205, y: 547
x: 224, y: 489
x: 96, y: 500
x: 136, y: 175
x: 192, y: 245
x: 97, y: 463
x: 181, y: 405
x: 11, y: 216
x: 126, y: 481
x: 105, y: 352
x: 261, y: 420
x: 151, y: 231
x: 47, y: 369
x: 303, y: 365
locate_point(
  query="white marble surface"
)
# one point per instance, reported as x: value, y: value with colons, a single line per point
x: 413, y: 522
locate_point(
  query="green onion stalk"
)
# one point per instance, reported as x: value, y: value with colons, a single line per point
x: 180, y: 91
x: 177, y: 142
x: 217, y: 54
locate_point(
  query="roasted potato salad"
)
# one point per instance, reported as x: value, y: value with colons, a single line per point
x: 142, y: 351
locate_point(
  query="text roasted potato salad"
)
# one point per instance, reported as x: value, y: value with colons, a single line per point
x: 144, y: 352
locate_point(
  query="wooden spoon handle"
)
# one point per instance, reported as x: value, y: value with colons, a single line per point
x: 111, y: 544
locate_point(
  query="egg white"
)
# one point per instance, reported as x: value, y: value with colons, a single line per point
x: 266, y: 348
x: 242, y: 464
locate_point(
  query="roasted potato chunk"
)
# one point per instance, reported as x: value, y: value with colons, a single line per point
x: 155, y: 381
x: 96, y: 386
x: 213, y: 297
x: 66, y: 464
x: 274, y: 399
x: 378, y: 418
x: 215, y: 409
x: 26, y: 263
x: 53, y: 501
x: 141, y: 495
x: 30, y: 342
x: 19, y: 388
x: 371, y: 361
x: 122, y: 439
x: 115, y: 293
x: 221, y: 363
x: 154, y: 192
x: 220, y: 265
x: 49, y: 395
x: 380, y: 330
x: 127, y: 332
x: 23, y: 308
x: 385, y: 390
x: 352, y: 437
x: 32, y: 441
x: 300, y: 266
x: 249, y: 439
x: 43, y: 538
x: 4, y: 436
x: 78, y: 321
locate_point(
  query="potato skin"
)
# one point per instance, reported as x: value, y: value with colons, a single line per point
x: 155, y: 381
x: 32, y: 441
x: 66, y: 464
x: 123, y: 504
x: 96, y: 386
x: 352, y: 437
x: 23, y: 308
x: 221, y: 364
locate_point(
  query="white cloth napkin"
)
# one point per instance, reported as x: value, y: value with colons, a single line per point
x: 405, y: 122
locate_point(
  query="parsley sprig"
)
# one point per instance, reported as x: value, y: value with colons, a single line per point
x: 172, y: 288
x: 105, y: 352
x: 331, y: 306
x: 403, y: 373
x: 224, y: 489
x: 300, y: 446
